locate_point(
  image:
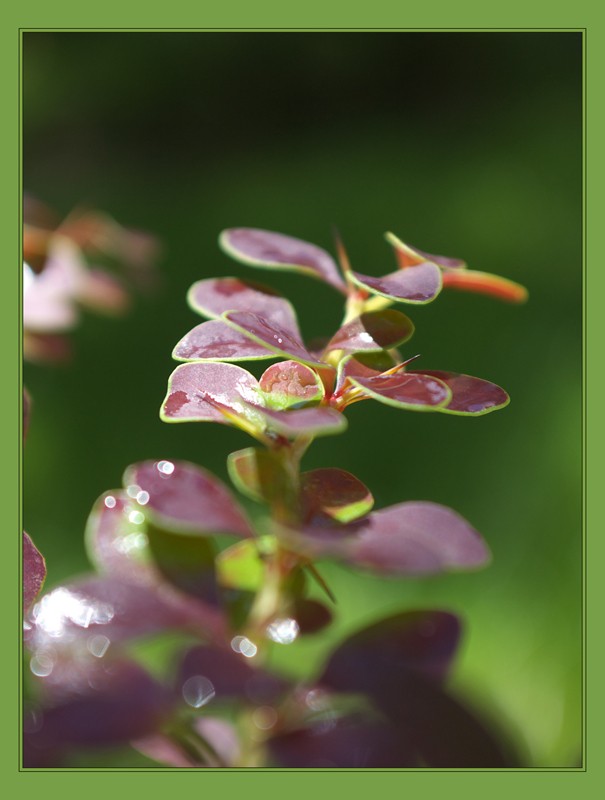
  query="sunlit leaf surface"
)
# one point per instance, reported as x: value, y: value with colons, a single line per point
x: 416, y: 391
x: 419, y: 284
x: 484, y: 283
x: 214, y: 296
x: 270, y: 250
x: 470, y: 396
x: 217, y: 341
x: 183, y: 497
x: 34, y: 571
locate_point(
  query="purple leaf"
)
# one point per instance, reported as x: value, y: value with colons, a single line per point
x: 214, y: 296
x: 289, y: 384
x: 470, y: 396
x: 318, y: 421
x: 211, y: 392
x: 362, y: 365
x: 411, y: 390
x: 333, y: 494
x: 342, y: 743
x: 405, y: 539
x: 108, y: 704
x: 273, y: 338
x: 115, y: 545
x: 409, y: 256
x: 217, y: 341
x: 34, y: 571
x: 276, y: 251
x: 110, y: 609
x: 219, y: 734
x: 373, y: 332
x: 418, y: 285
x: 419, y: 642
x: 182, y: 497
x: 229, y: 673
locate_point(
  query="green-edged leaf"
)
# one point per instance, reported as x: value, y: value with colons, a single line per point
x: 409, y: 256
x: 270, y: 250
x: 289, y: 384
x: 211, y: 392
x: 274, y: 338
x: 258, y: 474
x: 419, y: 284
x: 184, y: 498
x: 373, y: 332
x: 242, y: 566
x: 333, y: 494
x: 217, y: 341
x: 212, y: 297
x: 471, y: 397
x: 362, y: 365
x: 413, y: 391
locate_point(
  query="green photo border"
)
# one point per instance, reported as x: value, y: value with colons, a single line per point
x: 278, y: 16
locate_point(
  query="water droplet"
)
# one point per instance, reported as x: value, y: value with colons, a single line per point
x: 133, y: 490
x: 166, y: 467
x: 198, y: 691
x: 97, y: 645
x: 110, y: 501
x: 142, y: 498
x: 41, y: 665
x: 244, y: 646
x: 265, y: 717
x: 136, y: 517
x: 283, y: 631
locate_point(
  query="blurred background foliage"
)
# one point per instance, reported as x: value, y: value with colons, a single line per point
x: 466, y: 144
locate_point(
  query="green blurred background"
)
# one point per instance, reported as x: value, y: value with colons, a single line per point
x: 466, y: 144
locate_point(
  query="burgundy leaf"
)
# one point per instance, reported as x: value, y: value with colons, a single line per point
x: 419, y: 284
x: 318, y: 421
x: 266, y: 249
x: 112, y: 703
x: 217, y: 341
x: 333, y: 493
x: 470, y: 396
x: 104, y: 610
x: 289, y: 384
x: 411, y: 390
x: 372, y: 332
x: 34, y: 571
x: 219, y: 734
x: 116, y: 545
x: 201, y: 392
x: 185, y: 498
x: 419, y: 642
x: 409, y: 256
x: 229, y: 673
x: 214, y: 296
x: 342, y: 743
x: 362, y: 365
x: 272, y: 337
x: 405, y: 539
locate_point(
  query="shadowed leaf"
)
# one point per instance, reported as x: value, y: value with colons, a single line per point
x: 186, y: 751
x: 372, y: 332
x: 183, y: 498
x: 266, y: 249
x: 258, y: 474
x: 318, y: 421
x: 419, y: 284
x: 470, y: 396
x: 217, y: 341
x: 362, y: 365
x: 333, y: 494
x: 310, y: 615
x: 34, y: 571
x: 242, y: 565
